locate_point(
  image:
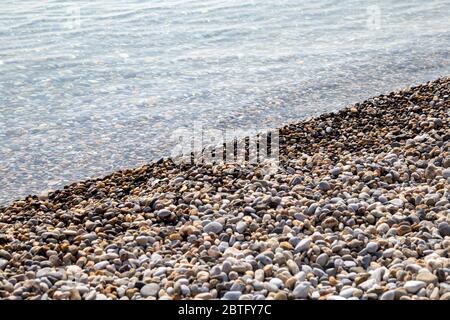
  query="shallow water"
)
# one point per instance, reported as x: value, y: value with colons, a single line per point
x: 88, y: 87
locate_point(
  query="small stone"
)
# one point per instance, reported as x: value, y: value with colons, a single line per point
x: 175, y: 236
x: 280, y: 295
x: 311, y: 209
x: 204, y: 296
x: 249, y: 210
x: 388, y: 295
x: 430, y: 171
x: 259, y: 275
x: 268, y: 270
x: 335, y: 172
x: 324, y: 186
x: 241, y: 226
x: 322, y: 259
x: 75, y: 294
x: 203, y: 276
x: 388, y: 253
x: 296, y: 180
x: 413, y: 286
x: 435, y: 294
x: 70, y: 233
x: 150, y: 290
x: 383, y: 228
x: 187, y: 230
x: 397, y: 202
x: 164, y: 213
x: 372, y: 247
x: 286, y: 245
x: 241, y: 267
x: 5, y: 254
x: 3, y: 263
x: 330, y: 222
x: 444, y: 229
x: 293, y: 267
x: 101, y: 265
x: 213, y: 227
x: 368, y: 284
x: 303, y: 245
x: 226, y: 267
x: 232, y: 295
x: 301, y: 290
x: 277, y: 283
x: 403, y: 229
x: 141, y: 240
x: 446, y: 173
x: 347, y: 293
x: 427, y: 277
x: 445, y: 296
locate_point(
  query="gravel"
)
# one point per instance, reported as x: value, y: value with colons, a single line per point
x: 360, y: 211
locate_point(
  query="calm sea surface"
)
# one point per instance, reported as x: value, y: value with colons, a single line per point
x: 89, y: 87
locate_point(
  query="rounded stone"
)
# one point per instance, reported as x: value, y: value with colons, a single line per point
x: 444, y: 229
x: 150, y: 290
x: 241, y: 226
x: 372, y: 247
x: 322, y: 259
x: 213, y: 227
x: 413, y: 286
x: 164, y: 213
x: 324, y: 186
x: 301, y: 291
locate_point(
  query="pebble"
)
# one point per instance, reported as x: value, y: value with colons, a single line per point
x: 330, y: 222
x: 335, y: 172
x: 142, y: 240
x: 413, y: 286
x: 101, y: 265
x: 397, y: 202
x: 293, y: 267
x: 372, y: 247
x: 427, y: 277
x: 164, y: 213
x: 388, y: 295
x: 301, y: 291
x: 277, y: 283
x: 204, y: 296
x: 232, y: 295
x: 322, y: 259
x: 446, y: 173
x: 303, y: 245
x: 213, y: 227
x: 347, y: 293
x: 150, y: 290
x: 444, y: 229
x: 259, y: 275
x: 241, y: 226
x: 324, y: 186
x: 3, y: 263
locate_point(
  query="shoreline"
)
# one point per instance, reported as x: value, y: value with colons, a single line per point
x: 359, y: 211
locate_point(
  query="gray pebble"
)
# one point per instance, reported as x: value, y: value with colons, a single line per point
x: 150, y: 290
x: 213, y: 227
x: 301, y: 290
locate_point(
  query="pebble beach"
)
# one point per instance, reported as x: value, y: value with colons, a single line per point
x: 359, y: 208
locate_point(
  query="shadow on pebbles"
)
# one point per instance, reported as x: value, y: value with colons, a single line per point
x: 359, y: 208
